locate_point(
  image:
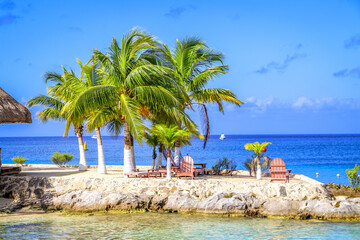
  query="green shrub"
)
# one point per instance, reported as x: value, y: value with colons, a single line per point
x: 19, y: 160
x: 224, y: 164
x: 250, y: 165
x: 60, y: 159
x: 354, y: 177
x: 216, y: 168
x: 230, y: 195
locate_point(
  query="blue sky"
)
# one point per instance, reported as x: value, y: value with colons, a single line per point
x: 295, y: 64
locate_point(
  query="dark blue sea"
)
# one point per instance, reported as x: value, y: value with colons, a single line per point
x: 328, y: 155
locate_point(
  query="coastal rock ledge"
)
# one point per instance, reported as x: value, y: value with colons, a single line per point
x: 306, y: 199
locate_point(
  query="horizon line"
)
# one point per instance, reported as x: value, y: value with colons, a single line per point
x: 270, y: 134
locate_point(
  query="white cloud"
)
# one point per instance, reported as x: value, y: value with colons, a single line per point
x: 302, y: 101
x: 257, y: 105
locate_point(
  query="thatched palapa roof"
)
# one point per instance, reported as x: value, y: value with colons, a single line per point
x: 11, y: 111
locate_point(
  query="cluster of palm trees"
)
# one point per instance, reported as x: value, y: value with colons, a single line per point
x: 137, y: 80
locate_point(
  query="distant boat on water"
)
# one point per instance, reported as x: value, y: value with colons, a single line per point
x: 222, y: 137
x: 93, y: 136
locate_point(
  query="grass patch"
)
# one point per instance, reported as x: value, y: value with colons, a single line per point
x: 209, y: 194
x: 230, y: 195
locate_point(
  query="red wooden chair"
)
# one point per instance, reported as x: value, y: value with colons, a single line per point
x: 186, y: 168
x: 278, y: 170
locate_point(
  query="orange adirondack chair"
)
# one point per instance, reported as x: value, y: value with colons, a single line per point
x: 278, y: 171
x: 186, y: 168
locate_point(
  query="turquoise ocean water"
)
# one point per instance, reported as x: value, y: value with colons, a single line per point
x: 170, y: 226
x: 328, y: 155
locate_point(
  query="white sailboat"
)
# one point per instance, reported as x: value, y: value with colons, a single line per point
x: 222, y: 137
x: 93, y: 136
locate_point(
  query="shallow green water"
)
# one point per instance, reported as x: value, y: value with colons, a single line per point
x: 169, y: 226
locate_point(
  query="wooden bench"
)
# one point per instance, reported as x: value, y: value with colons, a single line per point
x: 156, y: 173
x: 10, y: 171
x: 137, y: 174
x: 278, y: 171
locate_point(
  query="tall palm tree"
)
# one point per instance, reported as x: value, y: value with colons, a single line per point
x: 168, y: 136
x: 192, y: 64
x: 97, y: 118
x: 129, y: 86
x: 65, y: 87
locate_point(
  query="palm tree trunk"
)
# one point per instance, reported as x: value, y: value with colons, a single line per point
x: 168, y: 165
x: 101, y: 158
x: 82, y: 164
x: 132, y: 151
x: 258, y: 169
x: 129, y: 165
x: 177, y: 152
x: 159, y: 160
x: 153, y: 157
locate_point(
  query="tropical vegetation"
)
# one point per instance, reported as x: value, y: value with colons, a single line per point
x: 60, y: 159
x: 66, y: 87
x: 192, y: 64
x: 224, y: 166
x: 354, y: 177
x: 258, y: 159
x: 136, y: 81
x: 167, y: 136
x: 19, y: 160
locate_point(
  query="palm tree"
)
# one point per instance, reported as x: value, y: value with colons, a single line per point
x: 65, y: 87
x: 192, y: 64
x: 159, y: 160
x: 97, y: 118
x: 258, y: 149
x: 168, y: 136
x: 153, y: 141
x: 130, y: 86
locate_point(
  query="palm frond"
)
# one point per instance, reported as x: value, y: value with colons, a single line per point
x: 130, y: 110
x: 215, y: 95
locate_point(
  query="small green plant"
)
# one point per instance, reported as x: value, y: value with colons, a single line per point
x: 354, y: 177
x: 60, y: 159
x: 230, y: 195
x: 216, y: 168
x: 19, y: 160
x: 224, y: 164
x: 250, y: 165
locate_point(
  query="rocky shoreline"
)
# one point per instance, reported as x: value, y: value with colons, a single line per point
x: 303, y: 200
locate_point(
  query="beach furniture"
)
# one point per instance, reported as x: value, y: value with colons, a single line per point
x: 278, y: 170
x: 137, y: 174
x: 186, y: 168
x: 156, y: 172
x: 200, y: 170
x: 10, y: 171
